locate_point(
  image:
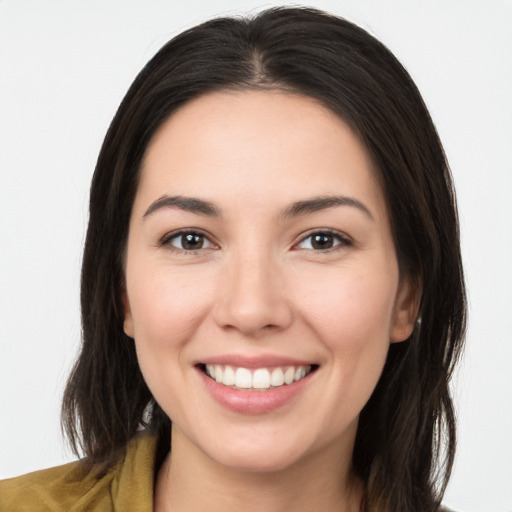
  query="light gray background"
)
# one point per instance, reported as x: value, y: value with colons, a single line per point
x: 64, y: 67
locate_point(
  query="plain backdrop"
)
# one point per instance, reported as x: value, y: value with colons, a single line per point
x: 65, y: 66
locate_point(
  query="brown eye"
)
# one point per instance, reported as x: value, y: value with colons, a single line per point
x: 323, y: 241
x: 191, y: 241
x: 188, y: 241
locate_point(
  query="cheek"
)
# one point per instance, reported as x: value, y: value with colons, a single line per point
x: 360, y: 318
x: 351, y: 310
x: 166, y: 308
x: 352, y: 316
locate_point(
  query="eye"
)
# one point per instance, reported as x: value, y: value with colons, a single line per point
x: 323, y: 241
x: 187, y: 241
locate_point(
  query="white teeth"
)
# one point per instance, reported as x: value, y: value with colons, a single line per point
x: 243, y: 378
x: 288, y: 375
x: 261, y: 378
x: 277, y: 377
x: 229, y: 376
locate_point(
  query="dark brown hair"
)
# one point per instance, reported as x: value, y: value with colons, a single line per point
x: 398, y: 452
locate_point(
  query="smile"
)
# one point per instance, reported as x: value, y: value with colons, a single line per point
x: 255, y: 385
x: 258, y: 378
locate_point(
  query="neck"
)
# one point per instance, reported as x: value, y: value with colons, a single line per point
x: 191, y: 481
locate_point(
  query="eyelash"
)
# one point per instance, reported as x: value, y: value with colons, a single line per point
x: 166, y: 240
x: 343, y: 241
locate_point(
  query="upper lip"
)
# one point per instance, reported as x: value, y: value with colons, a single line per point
x: 252, y: 362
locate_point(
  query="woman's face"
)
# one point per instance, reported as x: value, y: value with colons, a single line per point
x: 262, y: 285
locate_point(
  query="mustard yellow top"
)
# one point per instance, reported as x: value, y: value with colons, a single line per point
x: 128, y: 486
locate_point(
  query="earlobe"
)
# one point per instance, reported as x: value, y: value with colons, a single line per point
x: 128, y: 318
x: 406, y: 310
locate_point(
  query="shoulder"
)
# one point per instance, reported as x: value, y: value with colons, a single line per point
x: 49, y: 489
x: 70, y: 488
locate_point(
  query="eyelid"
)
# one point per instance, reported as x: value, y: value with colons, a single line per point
x: 165, y: 240
x: 344, y: 239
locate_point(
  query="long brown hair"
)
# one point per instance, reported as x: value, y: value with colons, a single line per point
x: 405, y: 442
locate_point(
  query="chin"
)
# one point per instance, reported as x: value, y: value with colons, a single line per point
x: 264, y: 451
x: 257, y: 460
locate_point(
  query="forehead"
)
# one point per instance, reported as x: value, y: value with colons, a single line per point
x: 264, y: 144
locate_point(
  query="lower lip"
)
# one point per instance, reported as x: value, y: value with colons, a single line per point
x: 253, y: 402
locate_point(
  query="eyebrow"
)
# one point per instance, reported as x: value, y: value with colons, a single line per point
x: 188, y: 204
x: 316, y: 204
x: 202, y: 207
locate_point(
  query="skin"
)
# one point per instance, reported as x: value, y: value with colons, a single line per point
x: 259, y: 286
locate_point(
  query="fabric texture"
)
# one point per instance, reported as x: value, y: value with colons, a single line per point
x: 128, y: 486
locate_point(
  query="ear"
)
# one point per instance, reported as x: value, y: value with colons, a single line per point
x: 128, y: 318
x: 406, y: 309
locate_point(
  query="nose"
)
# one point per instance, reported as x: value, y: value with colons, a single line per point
x: 252, y: 297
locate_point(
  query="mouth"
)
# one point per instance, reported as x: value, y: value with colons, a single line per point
x: 256, y: 379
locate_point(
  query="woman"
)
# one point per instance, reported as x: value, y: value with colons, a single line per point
x: 272, y: 290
